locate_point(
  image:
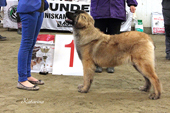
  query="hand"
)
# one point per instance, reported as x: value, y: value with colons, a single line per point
x: 132, y: 8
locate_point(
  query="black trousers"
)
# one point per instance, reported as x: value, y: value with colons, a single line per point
x: 167, y: 39
x: 166, y: 15
x: 18, y: 17
x: 109, y: 25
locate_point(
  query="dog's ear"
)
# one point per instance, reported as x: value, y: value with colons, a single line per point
x: 83, y: 20
x: 91, y: 20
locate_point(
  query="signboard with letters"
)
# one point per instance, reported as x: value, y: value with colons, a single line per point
x: 54, y: 17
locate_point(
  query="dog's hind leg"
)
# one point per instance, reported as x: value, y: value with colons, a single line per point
x: 148, y: 71
x: 88, y: 70
x: 147, y: 85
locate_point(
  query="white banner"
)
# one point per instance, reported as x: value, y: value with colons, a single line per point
x: 54, y: 17
x: 10, y: 14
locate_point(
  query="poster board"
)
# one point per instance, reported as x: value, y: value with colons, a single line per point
x: 66, y: 60
x: 37, y: 61
x: 157, y: 23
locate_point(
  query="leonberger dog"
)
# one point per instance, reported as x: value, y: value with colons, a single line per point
x: 96, y: 48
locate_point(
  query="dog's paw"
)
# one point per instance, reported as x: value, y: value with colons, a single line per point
x: 81, y: 89
x: 80, y: 86
x: 143, y: 88
x: 153, y: 96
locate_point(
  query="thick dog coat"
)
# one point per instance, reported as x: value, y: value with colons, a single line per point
x: 97, y: 48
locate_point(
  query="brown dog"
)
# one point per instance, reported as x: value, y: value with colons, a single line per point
x: 97, y: 48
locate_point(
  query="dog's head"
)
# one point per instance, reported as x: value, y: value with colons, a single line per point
x: 79, y: 19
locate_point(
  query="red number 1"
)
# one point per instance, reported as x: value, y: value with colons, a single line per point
x: 71, y: 45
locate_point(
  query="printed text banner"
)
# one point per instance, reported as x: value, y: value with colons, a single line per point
x: 54, y: 17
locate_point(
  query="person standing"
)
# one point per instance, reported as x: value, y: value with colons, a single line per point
x: 19, y: 24
x: 166, y: 15
x: 2, y: 3
x: 108, y: 16
x: 31, y: 13
x: 2, y: 38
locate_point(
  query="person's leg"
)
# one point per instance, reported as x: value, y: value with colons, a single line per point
x: 167, y: 41
x: 37, y: 30
x: 0, y: 15
x: 166, y: 15
x: 113, y: 28
x: 102, y: 25
x: 19, y: 24
x: 31, y: 26
x: 2, y: 38
x: 29, y: 23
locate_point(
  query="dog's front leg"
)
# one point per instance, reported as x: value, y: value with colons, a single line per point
x: 88, y: 70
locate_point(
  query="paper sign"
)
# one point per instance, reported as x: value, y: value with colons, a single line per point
x: 157, y: 23
x: 66, y: 60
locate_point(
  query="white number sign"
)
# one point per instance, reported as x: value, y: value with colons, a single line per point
x: 66, y: 60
